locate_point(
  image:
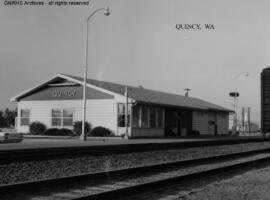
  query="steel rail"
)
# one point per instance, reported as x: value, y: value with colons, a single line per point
x: 135, y: 190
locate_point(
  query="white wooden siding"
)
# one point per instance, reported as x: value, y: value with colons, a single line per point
x: 223, y: 123
x: 102, y: 113
x: 99, y: 112
x: 200, y: 122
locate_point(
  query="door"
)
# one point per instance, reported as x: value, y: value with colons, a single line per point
x: 172, y: 123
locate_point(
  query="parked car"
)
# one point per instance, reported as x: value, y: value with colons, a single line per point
x: 10, y: 137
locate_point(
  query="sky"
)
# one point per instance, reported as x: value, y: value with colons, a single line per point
x: 139, y: 44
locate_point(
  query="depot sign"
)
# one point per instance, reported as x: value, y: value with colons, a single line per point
x: 63, y: 93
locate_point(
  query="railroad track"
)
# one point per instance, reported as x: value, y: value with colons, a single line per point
x: 119, y: 183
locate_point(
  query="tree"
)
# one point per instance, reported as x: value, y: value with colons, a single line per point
x: 9, y: 116
x: 2, y: 120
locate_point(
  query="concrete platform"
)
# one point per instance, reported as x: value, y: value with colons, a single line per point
x: 56, y: 142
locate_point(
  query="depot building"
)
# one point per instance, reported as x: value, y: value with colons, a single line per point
x: 57, y: 103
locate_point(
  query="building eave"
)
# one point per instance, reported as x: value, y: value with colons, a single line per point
x: 36, y: 87
x: 48, y: 81
x: 187, y: 107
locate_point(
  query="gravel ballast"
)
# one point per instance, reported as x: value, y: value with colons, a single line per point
x: 251, y: 185
x: 17, y: 172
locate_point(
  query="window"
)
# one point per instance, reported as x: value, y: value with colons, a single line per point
x: 147, y: 117
x: 67, y: 117
x: 62, y: 117
x: 159, y: 116
x: 152, y: 116
x: 223, y: 116
x: 136, y: 116
x: 174, y: 119
x: 200, y: 113
x: 144, y: 116
x: 122, y: 115
x: 56, y: 117
x: 25, y: 117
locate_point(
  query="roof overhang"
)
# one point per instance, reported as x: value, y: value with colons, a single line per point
x: 186, y: 107
x: 35, y: 88
x: 53, y: 79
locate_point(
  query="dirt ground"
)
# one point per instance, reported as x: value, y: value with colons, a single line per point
x: 252, y: 185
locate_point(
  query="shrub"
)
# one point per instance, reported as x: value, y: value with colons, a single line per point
x: 51, y: 131
x: 37, y: 128
x: 3, y: 123
x: 194, y: 133
x: 77, y: 127
x: 64, y: 132
x: 101, y: 132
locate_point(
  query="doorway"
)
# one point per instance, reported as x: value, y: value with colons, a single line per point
x: 178, y: 123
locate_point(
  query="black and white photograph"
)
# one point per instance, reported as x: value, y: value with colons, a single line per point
x: 134, y: 100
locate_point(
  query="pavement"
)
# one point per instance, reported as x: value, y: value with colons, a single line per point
x: 54, y: 142
x: 32, y: 143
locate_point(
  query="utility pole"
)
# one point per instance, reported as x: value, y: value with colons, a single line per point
x: 106, y: 13
x: 126, y: 112
x: 243, y: 120
x: 249, y: 120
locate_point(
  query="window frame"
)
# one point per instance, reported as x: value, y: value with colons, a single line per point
x: 27, y: 118
x: 56, y: 117
x: 159, y: 117
x: 152, y: 117
x: 136, y: 119
x: 148, y: 120
x: 146, y: 116
x: 62, y: 117
x: 122, y: 115
x: 67, y: 118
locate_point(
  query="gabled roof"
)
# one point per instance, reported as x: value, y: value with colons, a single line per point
x: 139, y: 94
